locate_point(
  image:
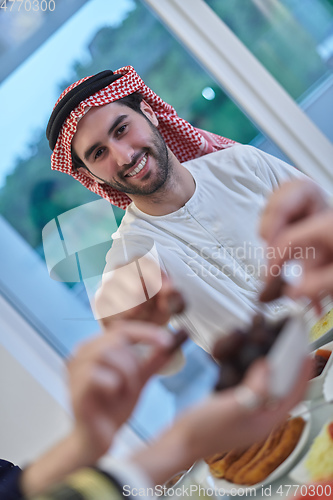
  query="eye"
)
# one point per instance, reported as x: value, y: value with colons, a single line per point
x: 98, y: 153
x: 121, y: 129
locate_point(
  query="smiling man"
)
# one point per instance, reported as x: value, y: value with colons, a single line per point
x: 186, y: 192
x: 123, y: 148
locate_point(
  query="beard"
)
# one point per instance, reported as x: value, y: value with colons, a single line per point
x: 157, y: 151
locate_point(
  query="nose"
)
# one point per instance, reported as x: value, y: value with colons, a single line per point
x: 122, y: 153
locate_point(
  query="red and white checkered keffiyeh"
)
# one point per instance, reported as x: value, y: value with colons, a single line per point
x: 184, y: 140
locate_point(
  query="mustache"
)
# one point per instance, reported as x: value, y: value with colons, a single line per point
x: 135, y: 159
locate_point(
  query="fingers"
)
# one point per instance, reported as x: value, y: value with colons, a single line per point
x: 280, y: 210
x: 294, y: 201
x: 287, y: 247
x: 159, y: 358
x: 274, y: 287
x: 314, y: 285
x: 311, y: 241
x: 138, y: 291
x: 91, y: 382
x: 129, y: 369
x: 128, y: 286
x: 103, y: 370
x: 122, y: 333
x: 132, y: 332
x: 106, y: 350
x: 121, y: 290
x: 257, y: 379
x: 168, y: 301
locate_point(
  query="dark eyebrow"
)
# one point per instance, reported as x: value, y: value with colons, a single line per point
x: 115, y: 124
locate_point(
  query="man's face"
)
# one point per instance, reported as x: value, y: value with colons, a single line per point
x: 123, y: 148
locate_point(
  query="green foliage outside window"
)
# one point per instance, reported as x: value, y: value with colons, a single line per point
x: 283, y: 35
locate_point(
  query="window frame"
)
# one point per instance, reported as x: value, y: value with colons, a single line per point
x: 249, y: 84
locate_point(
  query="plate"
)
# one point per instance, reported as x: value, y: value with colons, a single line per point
x: 207, y: 480
x: 324, y: 339
x: 312, y: 318
x: 300, y: 473
x: 328, y: 385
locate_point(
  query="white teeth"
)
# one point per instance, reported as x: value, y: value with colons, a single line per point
x: 139, y: 167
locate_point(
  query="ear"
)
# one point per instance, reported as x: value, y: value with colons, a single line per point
x: 147, y: 110
x: 86, y: 172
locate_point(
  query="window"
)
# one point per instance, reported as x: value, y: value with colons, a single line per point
x: 294, y: 41
x: 92, y: 36
x: 31, y: 194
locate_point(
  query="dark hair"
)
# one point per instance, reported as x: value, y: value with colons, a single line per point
x: 132, y: 101
x: 76, y: 162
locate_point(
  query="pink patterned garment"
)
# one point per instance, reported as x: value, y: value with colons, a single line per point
x: 184, y: 140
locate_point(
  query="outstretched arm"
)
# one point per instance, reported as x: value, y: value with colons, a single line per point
x: 219, y: 424
x: 297, y: 224
x: 138, y: 291
x: 106, y: 377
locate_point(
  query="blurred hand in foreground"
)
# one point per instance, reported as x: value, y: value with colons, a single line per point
x: 106, y: 377
x: 292, y: 202
x: 138, y: 291
x: 220, y: 424
x: 297, y: 224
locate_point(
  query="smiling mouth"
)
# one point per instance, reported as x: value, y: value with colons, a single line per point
x: 139, y: 167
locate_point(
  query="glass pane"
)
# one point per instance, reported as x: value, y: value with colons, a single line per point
x: 294, y: 41
x: 25, y: 25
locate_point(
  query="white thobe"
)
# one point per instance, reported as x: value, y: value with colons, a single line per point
x: 210, y: 247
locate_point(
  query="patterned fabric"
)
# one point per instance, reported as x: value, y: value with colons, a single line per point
x: 184, y: 140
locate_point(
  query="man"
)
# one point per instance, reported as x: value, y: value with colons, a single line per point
x: 200, y: 216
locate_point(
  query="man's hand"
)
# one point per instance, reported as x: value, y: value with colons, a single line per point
x: 138, y: 291
x: 220, y: 424
x: 313, y: 239
x: 106, y: 378
x: 288, y: 226
x: 246, y: 426
x: 292, y: 202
